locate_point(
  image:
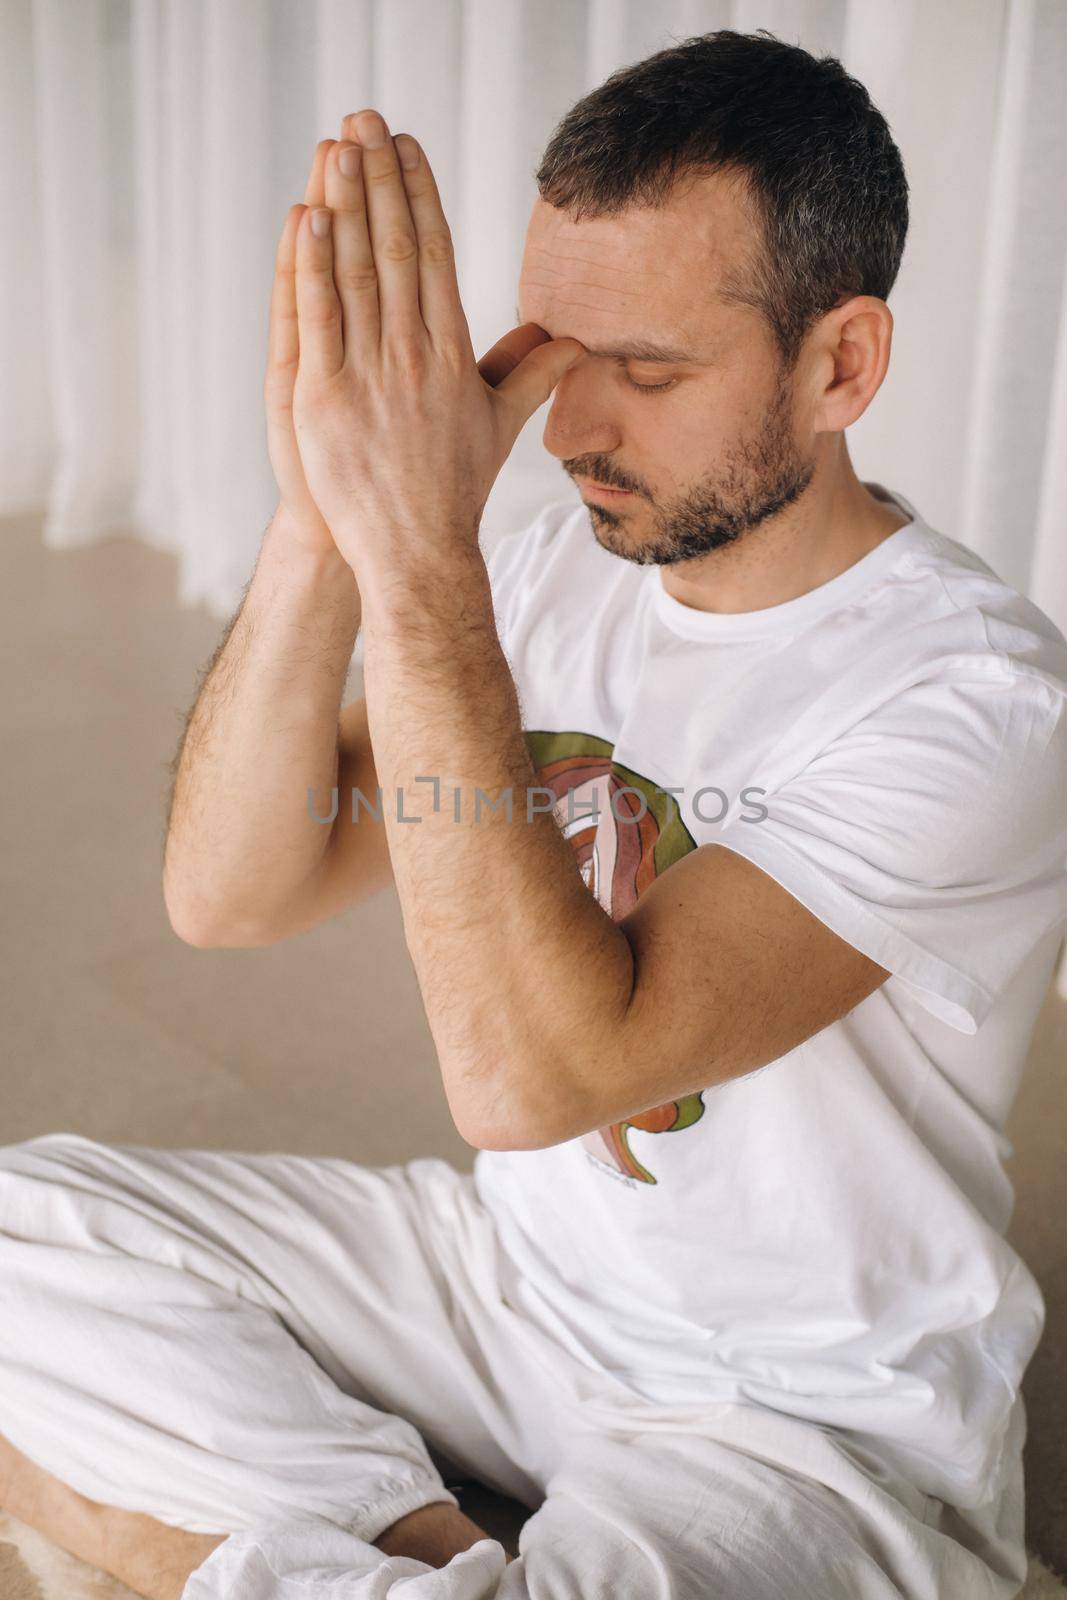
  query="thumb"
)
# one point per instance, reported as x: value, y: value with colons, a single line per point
x: 531, y: 381
x: 525, y: 367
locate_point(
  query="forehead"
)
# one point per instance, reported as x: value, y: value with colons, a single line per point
x: 644, y: 279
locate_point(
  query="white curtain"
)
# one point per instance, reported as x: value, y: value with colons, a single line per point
x: 151, y: 147
x: 149, y: 150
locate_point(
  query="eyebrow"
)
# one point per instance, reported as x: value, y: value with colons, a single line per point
x: 638, y: 350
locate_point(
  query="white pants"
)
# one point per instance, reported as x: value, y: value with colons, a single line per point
x: 271, y: 1346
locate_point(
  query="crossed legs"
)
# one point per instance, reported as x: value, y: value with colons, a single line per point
x: 54, y: 1186
x: 155, y: 1560
x: 195, y: 1342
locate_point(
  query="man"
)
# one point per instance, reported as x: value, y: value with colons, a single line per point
x: 765, y: 774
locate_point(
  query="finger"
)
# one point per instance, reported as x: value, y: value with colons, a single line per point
x: 283, y: 334
x: 348, y: 126
x: 501, y: 359
x: 283, y: 338
x: 318, y: 309
x: 439, y: 296
x: 354, y: 270
x: 315, y: 194
x: 392, y: 234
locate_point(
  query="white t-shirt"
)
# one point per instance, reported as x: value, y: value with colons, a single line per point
x: 823, y: 1236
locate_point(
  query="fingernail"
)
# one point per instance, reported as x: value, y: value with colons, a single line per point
x: 348, y: 160
x: 320, y: 222
x: 407, y: 150
x: 372, y: 130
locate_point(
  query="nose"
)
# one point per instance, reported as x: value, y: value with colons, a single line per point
x: 578, y: 433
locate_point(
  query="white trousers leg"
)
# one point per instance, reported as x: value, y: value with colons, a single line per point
x: 274, y: 1347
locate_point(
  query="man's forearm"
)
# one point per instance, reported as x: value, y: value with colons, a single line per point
x: 263, y: 729
x: 517, y: 962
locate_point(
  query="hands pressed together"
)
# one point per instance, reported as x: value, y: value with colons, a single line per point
x: 384, y: 432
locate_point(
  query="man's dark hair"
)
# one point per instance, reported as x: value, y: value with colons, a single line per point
x: 818, y: 161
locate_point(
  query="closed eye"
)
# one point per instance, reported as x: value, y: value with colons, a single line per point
x: 651, y: 388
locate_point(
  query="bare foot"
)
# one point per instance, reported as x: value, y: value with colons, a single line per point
x: 434, y: 1534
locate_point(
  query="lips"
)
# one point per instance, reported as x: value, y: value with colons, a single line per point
x: 588, y: 486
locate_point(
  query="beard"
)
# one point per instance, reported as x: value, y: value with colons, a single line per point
x: 761, y: 477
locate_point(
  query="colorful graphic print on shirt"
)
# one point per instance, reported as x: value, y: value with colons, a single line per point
x: 621, y: 845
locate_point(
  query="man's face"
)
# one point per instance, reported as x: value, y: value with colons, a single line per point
x: 722, y: 448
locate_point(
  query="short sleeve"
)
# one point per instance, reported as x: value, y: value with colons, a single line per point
x: 514, y: 559
x: 503, y: 562
x: 932, y: 835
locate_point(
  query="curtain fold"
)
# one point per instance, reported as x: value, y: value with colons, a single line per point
x: 77, y: 64
x: 1019, y: 334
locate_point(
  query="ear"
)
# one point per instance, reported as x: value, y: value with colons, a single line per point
x: 853, y: 344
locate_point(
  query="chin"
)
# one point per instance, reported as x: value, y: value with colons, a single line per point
x: 613, y: 537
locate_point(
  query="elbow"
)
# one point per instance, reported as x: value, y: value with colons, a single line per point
x: 205, y: 938
x: 505, y: 1138
x: 492, y: 1133
x: 189, y: 930
x: 189, y: 923
x: 195, y: 934
x: 505, y: 1118
x: 198, y: 930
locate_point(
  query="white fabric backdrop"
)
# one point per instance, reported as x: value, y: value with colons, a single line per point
x: 149, y: 150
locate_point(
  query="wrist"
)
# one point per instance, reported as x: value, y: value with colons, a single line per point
x: 290, y: 546
x: 444, y: 579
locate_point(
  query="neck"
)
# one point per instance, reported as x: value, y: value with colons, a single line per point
x: 834, y: 523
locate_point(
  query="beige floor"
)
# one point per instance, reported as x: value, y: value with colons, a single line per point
x: 111, y: 1027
